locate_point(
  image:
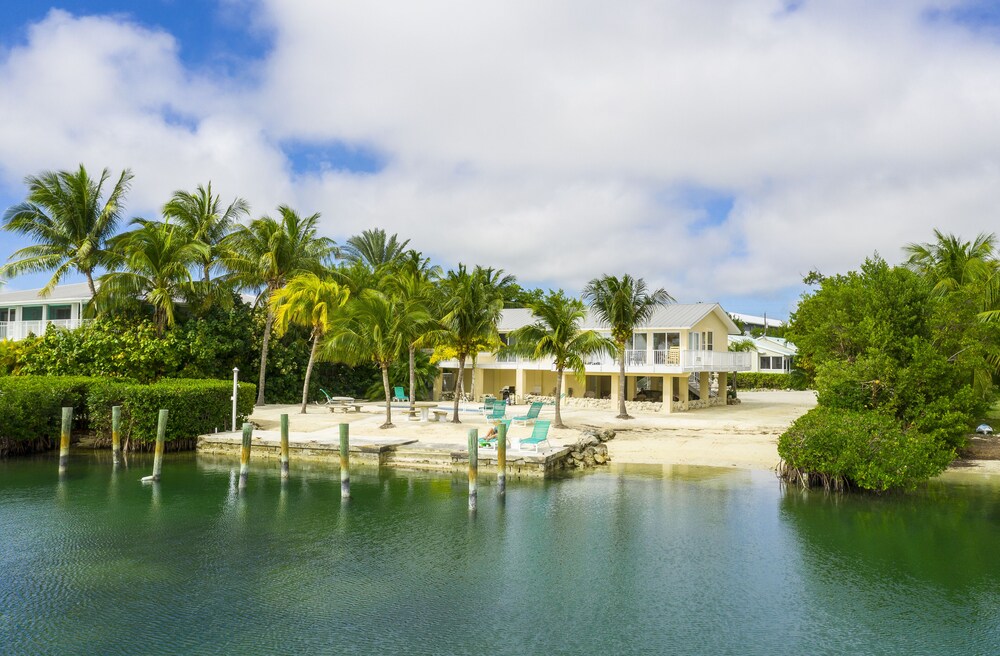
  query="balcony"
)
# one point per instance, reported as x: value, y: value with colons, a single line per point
x: 16, y: 330
x: 637, y: 362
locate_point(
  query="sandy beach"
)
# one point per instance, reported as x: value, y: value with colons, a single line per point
x: 742, y: 436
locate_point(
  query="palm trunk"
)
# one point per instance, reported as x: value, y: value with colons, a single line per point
x: 263, y: 355
x: 309, y: 370
x: 413, y: 375
x: 388, y: 398
x: 90, y: 284
x: 622, y: 412
x: 472, y: 387
x: 559, y: 378
x: 458, y: 386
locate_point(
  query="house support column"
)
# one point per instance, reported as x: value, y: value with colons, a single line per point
x: 704, y: 385
x: 724, y: 384
x: 520, y: 384
x: 478, y: 377
x: 614, y: 391
x: 438, y: 386
x: 683, y: 391
x: 668, y: 395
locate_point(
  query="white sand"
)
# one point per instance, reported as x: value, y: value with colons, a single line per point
x: 743, y: 436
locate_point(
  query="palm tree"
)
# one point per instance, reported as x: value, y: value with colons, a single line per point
x: 556, y: 334
x: 377, y: 330
x: 157, y: 258
x: 473, y: 304
x: 201, y: 215
x: 950, y: 263
x: 311, y: 301
x: 65, y: 216
x: 414, y: 286
x: 623, y: 303
x: 374, y: 249
x: 265, y: 254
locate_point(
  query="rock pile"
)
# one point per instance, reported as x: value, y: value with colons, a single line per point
x: 591, y: 450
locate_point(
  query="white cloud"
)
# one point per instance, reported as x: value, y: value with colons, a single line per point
x: 554, y: 139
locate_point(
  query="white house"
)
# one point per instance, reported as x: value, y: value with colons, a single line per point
x: 26, y: 312
x: 774, y: 355
x: 671, y: 355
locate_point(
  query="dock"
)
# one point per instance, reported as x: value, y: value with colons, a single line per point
x: 396, y: 452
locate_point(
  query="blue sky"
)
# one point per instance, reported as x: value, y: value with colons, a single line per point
x: 720, y: 150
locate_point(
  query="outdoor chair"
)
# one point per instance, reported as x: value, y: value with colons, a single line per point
x: 398, y: 394
x: 532, y: 415
x: 499, y: 410
x: 488, y: 404
x: 491, y: 443
x: 329, y: 399
x: 539, y: 434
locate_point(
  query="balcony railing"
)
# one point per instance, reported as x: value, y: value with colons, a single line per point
x: 15, y: 330
x: 638, y: 362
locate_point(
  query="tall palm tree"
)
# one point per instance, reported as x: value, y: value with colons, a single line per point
x: 377, y: 330
x: 473, y: 303
x: 950, y: 263
x: 157, y: 258
x: 201, y: 214
x: 374, y: 249
x: 556, y: 334
x: 65, y: 216
x: 414, y: 286
x: 265, y: 254
x: 311, y: 301
x: 623, y: 303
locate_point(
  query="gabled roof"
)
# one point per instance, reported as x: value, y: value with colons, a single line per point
x: 673, y: 316
x: 768, y: 345
x: 78, y: 291
x: 755, y: 320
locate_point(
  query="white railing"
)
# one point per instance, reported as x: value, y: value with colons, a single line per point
x: 715, y: 361
x: 638, y: 362
x: 504, y: 356
x: 15, y: 330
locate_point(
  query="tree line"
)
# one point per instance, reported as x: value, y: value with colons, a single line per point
x: 369, y: 300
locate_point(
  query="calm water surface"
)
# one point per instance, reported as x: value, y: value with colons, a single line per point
x: 683, y: 560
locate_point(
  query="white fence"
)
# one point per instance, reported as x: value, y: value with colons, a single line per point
x: 667, y: 361
x: 15, y: 330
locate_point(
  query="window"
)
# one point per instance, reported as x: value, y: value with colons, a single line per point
x: 60, y: 312
x: 772, y: 363
x: 708, y: 341
x: 32, y: 313
x: 694, y: 341
x: 6, y: 315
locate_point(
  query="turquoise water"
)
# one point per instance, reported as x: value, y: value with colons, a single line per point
x: 686, y: 560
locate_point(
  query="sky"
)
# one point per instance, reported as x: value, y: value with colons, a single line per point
x: 721, y: 150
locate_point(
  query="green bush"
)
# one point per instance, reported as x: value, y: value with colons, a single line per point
x: 195, y: 407
x: 757, y: 380
x: 841, y: 448
x: 31, y: 410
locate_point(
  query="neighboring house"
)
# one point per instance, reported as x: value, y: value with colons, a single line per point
x: 751, y: 322
x: 24, y: 313
x: 774, y: 355
x: 677, y: 350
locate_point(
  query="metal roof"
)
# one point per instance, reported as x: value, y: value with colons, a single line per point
x: 673, y: 316
x: 78, y: 291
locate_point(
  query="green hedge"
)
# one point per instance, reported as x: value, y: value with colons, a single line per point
x: 757, y: 380
x: 30, y: 410
x: 196, y: 407
x: 841, y: 449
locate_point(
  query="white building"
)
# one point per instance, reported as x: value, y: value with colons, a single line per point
x: 24, y: 313
x: 773, y: 354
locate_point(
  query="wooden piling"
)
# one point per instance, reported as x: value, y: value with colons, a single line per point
x: 161, y: 438
x: 473, y: 467
x: 502, y: 459
x: 245, y: 455
x: 116, y: 436
x: 284, y: 447
x: 67, y: 427
x: 345, y: 461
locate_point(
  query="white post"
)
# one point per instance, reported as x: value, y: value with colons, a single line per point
x: 236, y: 378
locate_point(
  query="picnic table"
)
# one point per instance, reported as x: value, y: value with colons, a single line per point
x: 344, y: 403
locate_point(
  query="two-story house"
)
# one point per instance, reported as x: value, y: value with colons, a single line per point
x: 26, y: 312
x: 670, y: 357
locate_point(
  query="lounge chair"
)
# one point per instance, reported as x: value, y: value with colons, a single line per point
x: 491, y: 443
x: 539, y: 434
x: 497, y: 413
x: 532, y: 415
x: 329, y: 399
x: 399, y: 395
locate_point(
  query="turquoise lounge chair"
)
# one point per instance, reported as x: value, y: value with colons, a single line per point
x: 491, y: 443
x: 532, y: 415
x: 399, y: 395
x: 329, y: 399
x: 539, y: 434
x: 499, y: 410
x: 488, y: 404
